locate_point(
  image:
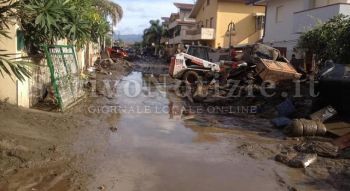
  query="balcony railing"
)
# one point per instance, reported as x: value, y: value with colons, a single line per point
x: 307, y: 19
x: 201, y: 34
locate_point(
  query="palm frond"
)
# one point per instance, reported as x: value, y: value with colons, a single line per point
x: 111, y: 9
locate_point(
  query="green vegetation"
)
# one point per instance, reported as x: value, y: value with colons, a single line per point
x: 78, y: 21
x: 153, y: 35
x: 330, y: 40
x: 47, y: 21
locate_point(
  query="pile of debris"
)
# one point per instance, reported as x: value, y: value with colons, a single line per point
x: 257, y: 65
x: 315, y: 125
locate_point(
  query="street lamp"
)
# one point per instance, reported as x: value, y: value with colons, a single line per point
x: 230, y: 29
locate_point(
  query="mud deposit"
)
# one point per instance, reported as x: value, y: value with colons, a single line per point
x: 150, y: 144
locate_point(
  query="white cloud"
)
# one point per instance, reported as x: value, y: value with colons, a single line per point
x: 138, y: 13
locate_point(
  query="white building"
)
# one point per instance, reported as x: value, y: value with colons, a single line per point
x: 287, y: 19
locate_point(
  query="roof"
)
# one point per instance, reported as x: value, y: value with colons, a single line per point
x: 165, y: 18
x: 199, y: 3
x: 173, y: 16
x: 184, y: 6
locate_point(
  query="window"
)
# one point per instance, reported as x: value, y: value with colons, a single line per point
x: 260, y: 22
x: 20, y: 40
x: 279, y: 14
x: 208, y: 2
x: 206, y: 23
x: 211, y: 22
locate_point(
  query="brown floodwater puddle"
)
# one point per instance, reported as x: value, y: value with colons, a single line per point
x: 156, y: 148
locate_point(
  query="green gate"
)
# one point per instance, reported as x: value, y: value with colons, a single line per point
x: 65, y: 74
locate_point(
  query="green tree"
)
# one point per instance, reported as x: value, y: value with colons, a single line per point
x: 154, y: 34
x: 109, y: 9
x: 329, y: 40
x: 78, y: 21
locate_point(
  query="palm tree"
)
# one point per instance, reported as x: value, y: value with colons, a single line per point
x: 153, y: 34
x: 109, y: 9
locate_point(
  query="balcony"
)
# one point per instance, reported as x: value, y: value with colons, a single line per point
x: 201, y: 34
x: 307, y: 19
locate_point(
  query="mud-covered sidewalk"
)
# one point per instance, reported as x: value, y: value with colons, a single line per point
x: 147, y: 142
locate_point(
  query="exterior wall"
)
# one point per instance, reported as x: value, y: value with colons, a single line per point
x: 207, y: 12
x: 244, y: 18
x: 184, y: 23
x: 280, y: 33
x: 297, y: 16
x: 320, y: 3
x: 184, y: 14
x: 38, y: 82
x: 8, y: 86
x: 223, y: 12
x: 306, y: 20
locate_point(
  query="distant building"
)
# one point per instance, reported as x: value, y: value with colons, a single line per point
x: 214, y: 16
x: 287, y: 19
x: 179, y: 23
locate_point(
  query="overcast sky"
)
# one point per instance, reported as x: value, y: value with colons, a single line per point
x: 138, y: 13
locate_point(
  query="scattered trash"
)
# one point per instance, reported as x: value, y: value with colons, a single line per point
x: 275, y: 71
x: 324, y: 114
x: 303, y: 160
x: 285, y: 157
x: 101, y: 187
x: 296, y: 160
x: 345, y: 154
x: 286, y: 108
x: 334, y: 83
x: 304, y: 127
x: 91, y: 69
x: 343, y: 142
x: 281, y: 122
x: 114, y: 129
x: 324, y: 149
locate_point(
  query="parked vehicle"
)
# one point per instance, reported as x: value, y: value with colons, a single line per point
x: 334, y: 86
x: 117, y: 53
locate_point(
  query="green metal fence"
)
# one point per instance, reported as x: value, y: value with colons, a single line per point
x: 65, y: 74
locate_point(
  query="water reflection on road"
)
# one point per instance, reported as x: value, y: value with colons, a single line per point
x: 172, y: 150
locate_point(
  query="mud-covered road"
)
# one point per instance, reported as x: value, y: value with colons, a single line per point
x: 144, y: 138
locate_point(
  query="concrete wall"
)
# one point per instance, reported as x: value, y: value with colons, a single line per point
x: 281, y: 33
x: 244, y: 18
x: 8, y: 86
x: 319, y: 3
x: 297, y: 16
x: 205, y: 13
x: 223, y: 12
x: 306, y: 20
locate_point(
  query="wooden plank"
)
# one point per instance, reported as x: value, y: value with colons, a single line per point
x: 338, y: 128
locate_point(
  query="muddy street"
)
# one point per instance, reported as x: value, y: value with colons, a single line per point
x: 152, y: 145
x: 145, y: 137
x: 164, y: 95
